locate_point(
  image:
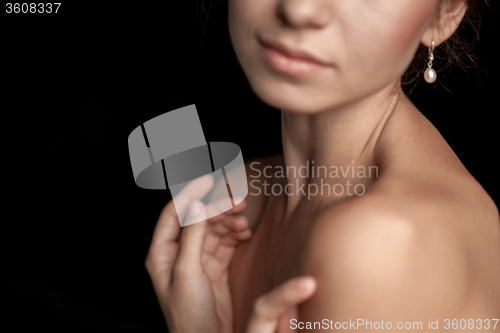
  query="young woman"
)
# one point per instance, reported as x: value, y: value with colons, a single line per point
x: 415, y: 245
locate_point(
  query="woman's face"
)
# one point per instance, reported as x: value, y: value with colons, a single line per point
x: 366, y: 44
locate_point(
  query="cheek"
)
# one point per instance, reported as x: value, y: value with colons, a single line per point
x: 385, y: 47
x: 243, y: 17
x: 408, y: 30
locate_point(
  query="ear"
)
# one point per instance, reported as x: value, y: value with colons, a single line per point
x: 451, y: 14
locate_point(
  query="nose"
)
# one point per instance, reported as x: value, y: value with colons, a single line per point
x: 303, y: 13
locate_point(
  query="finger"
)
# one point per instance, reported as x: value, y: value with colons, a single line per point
x: 223, y: 255
x: 221, y: 205
x: 235, y: 237
x: 269, y: 307
x: 242, y: 235
x: 195, y: 190
x: 237, y: 223
x: 168, y: 226
x: 218, y: 209
x: 231, y: 225
x: 191, y: 239
x: 222, y: 249
x: 240, y: 206
x: 285, y: 319
x: 220, y: 229
x: 229, y: 234
x: 211, y: 242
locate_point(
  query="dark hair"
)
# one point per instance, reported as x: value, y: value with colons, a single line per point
x: 458, y: 50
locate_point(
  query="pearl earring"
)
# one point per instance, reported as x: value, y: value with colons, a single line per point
x: 430, y: 74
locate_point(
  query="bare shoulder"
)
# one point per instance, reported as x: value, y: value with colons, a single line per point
x: 414, y: 253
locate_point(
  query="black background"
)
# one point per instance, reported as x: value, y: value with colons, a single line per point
x: 76, y: 83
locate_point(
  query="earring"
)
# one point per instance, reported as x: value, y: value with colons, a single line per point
x: 430, y: 74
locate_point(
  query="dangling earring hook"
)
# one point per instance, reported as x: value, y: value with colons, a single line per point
x: 431, y: 54
x: 430, y: 74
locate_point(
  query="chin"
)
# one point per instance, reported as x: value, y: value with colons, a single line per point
x: 288, y: 103
x: 288, y: 97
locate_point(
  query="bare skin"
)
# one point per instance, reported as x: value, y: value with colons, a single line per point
x: 422, y: 243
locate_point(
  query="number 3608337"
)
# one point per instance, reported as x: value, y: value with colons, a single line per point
x: 32, y: 8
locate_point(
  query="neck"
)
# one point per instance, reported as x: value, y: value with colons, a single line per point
x: 334, y: 142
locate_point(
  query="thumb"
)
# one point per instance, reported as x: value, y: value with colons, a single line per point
x: 271, y: 306
x: 191, y: 239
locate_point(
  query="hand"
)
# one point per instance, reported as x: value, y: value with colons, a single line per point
x: 273, y: 311
x: 189, y: 271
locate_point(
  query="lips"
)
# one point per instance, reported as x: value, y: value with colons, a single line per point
x: 290, y: 61
x: 292, y: 53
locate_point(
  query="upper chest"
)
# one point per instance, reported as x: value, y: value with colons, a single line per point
x: 272, y: 256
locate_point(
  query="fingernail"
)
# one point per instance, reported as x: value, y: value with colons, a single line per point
x: 303, y: 284
x: 194, y: 209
